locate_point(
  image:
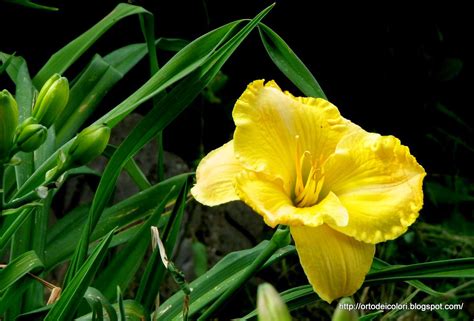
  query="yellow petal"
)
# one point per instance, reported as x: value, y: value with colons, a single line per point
x: 334, y: 263
x: 269, y: 123
x: 215, y: 176
x: 269, y: 199
x: 378, y: 182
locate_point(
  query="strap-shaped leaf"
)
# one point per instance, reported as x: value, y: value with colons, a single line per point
x: 289, y: 63
x: 32, y: 4
x: 95, y: 298
x: 214, y: 282
x: 132, y: 310
x: 17, y: 70
x: 123, y: 59
x: 159, y: 117
x: 124, y: 265
x: 11, y: 225
x: 63, y: 236
x: 152, y: 278
x: 27, y: 262
x: 86, y: 93
x: 61, y: 60
x: 65, y: 307
x: 456, y: 268
x: 178, y: 67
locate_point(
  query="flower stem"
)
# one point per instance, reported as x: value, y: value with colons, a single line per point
x: 2, y: 172
x: 280, y: 238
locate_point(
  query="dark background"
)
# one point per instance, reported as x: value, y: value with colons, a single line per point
x: 393, y: 70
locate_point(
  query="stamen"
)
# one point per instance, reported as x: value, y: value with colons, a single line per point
x: 309, y: 177
x: 298, y: 160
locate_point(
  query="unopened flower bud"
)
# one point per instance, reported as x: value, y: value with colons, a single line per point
x: 270, y: 306
x: 51, y: 100
x: 282, y: 236
x: 89, y: 144
x: 31, y: 136
x: 8, y: 122
x: 345, y: 311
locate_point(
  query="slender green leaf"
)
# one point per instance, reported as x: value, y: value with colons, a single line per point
x: 61, y: 60
x: 96, y: 308
x: 455, y: 268
x: 133, y: 312
x: 199, y: 258
x: 100, y: 303
x: 63, y: 236
x: 289, y: 63
x: 90, y: 295
x: 11, y: 225
x: 25, y: 263
x: 148, y: 29
x: 86, y: 94
x: 132, y: 169
x: 121, y: 308
x: 32, y: 4
x: 281, y: 238
x: 214, y: 282
x: 121, y: 269
x: 18, y: 71
x: 378, y: 265
x: 97, y: 79
x: 371, y: 316
x: 6, y: 62
x: 160, y: 116
x: 34, y: 297
x: 123, y: 59
x: 13, y: 295
x: 35, y: 315
x: 155, y: 271
x: 183, y: 63
x: 451, y: 114
x: 64, y: 308
x: 171, y: 231
x: 23, y: 238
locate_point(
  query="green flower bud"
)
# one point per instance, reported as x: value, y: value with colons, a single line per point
x: 51, y: 100
x: 282, y: 236
x: 345, y: 311
x: 270, y: 306
x: 8, y: 122
x: 31, y: 136
x: 89, y: 144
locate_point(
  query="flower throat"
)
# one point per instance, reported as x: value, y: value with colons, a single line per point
x: 309, y: 177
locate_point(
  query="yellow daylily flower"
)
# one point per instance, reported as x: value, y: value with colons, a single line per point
x: 297, y: 161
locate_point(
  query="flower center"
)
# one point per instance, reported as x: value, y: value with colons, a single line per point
x: 309, y: 177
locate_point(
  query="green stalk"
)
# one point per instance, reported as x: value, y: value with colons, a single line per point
x: 34, y: 298
x: 147, y: 24
x: 2, y: 173
x: 280, y: 238
x: 20, y: 244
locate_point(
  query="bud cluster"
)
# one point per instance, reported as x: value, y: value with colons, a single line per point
x: 33, y: 131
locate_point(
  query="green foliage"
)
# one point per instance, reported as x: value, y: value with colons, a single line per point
x: 104, y: 244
